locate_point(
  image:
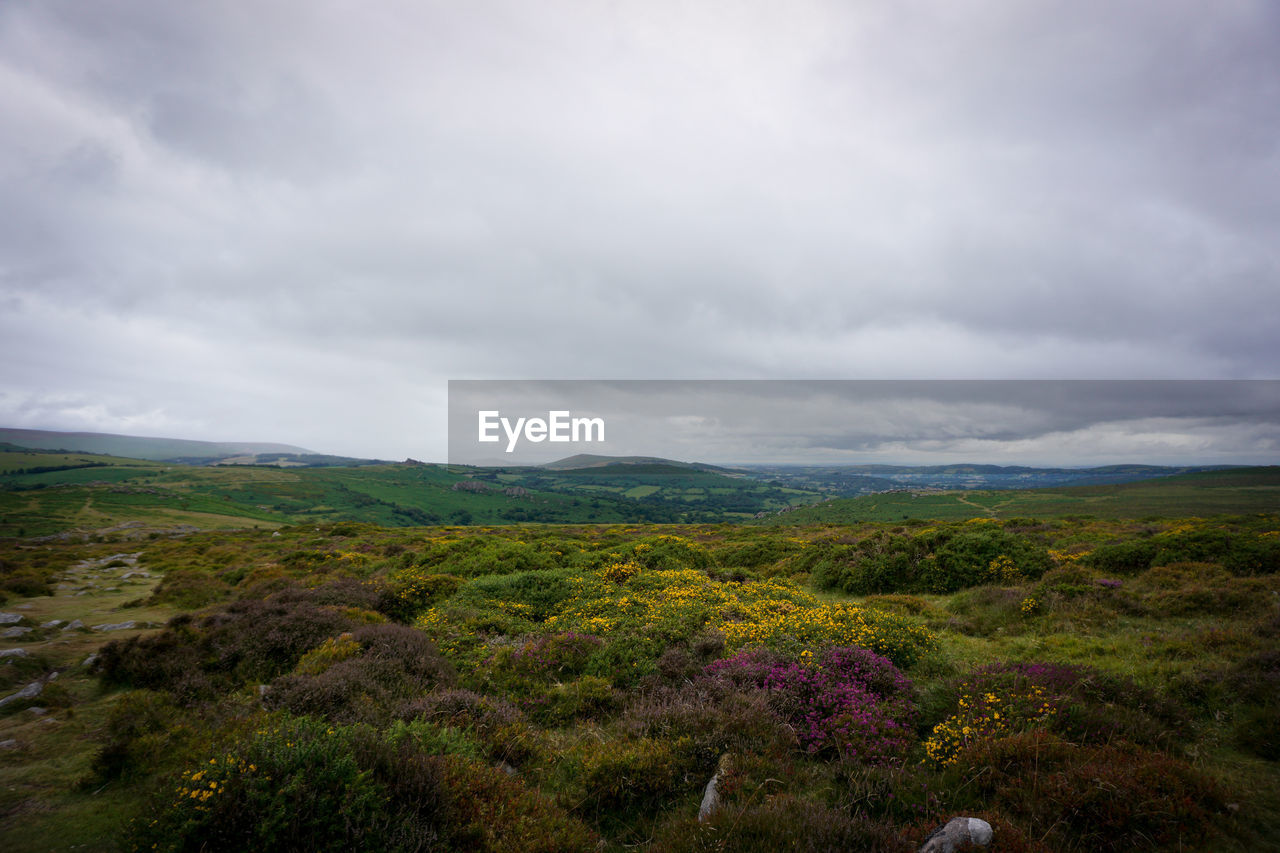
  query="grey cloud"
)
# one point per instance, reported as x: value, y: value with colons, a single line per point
x: 429, y: 190
x: 1041, y: 422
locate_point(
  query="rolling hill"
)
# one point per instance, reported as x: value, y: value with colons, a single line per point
x: 1234, y: 491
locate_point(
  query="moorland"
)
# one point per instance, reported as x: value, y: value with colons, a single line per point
x: 246, y: 657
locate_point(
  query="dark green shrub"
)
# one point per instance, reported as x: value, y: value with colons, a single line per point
x: 964, y: 558
x: 587, y: 697
x: 246, y: 641
x: 940, y: 561
x: 761, y: 551
x: 1257, y: 731
x: 491, y: 812
x: 294, y: 785
x: 880, y: 564
x: 1113, y: 797
x: 1123, y: 558
x: 496, y: 724
x: 629, y: 776
x: 396, y: 662
x: 531, y: 595
x: 782, y: 822
x: 144, y: 731
x: 712, y: 719
x: 190, y: 589
x: 1183, y: 589
x: 1254, y: 556
x: 476, y: 556
x: 411, y: 591
x: 23, y: 581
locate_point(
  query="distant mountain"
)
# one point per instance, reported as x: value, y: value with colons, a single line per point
x: 1230, y: 491
x: 851, y: 480
x: 592, y: 460
x: 139, y: 447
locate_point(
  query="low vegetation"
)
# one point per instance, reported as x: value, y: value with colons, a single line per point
x: 1081, y: 684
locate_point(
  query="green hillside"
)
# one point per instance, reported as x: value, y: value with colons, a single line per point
x: 45, y: 493
x: 140, y: 447
x: 1235, y: 491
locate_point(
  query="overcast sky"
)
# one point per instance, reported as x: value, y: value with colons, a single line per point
x: 1059, y: 423
x: 295, y: 221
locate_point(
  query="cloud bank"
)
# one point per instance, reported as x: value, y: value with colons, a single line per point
x: 296, y: 221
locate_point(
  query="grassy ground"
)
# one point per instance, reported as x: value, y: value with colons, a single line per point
x: 1238, y: 491
x: 1193, y: 637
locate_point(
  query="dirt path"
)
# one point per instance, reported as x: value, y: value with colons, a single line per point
x: 989, y: 511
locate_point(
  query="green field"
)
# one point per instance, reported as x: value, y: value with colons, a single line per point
x: 1241, y: 490
x: 47, y: 493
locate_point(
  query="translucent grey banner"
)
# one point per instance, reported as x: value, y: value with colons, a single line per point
x: 830, y: 422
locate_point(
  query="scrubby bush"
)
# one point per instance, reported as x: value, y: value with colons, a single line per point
x: 1182, y: 589
x: 628, y: 776
x: 294, y: 785
x: 476, y: 556
x: 24, y: 580
x: 1123, y: 558
x: 554, y: 656
x: 144, y: 730
x: 190, y: 589
x: 390, y: 663
x: 780, y: 822
x: 498, y: 725
x: 965, y: 558
x: 1077, y: 702
x: 846, y: 701
x: 1109, y: 797
x: 492, y: 812
x: 663, y: 551
x: 587, y: 697
x: 938, y: 560
x: 760, y: 551
x: 244, y: 642
x: 412, y: 590
x: 299, y: 784
x: 531, y: 596
x: 712, y: 717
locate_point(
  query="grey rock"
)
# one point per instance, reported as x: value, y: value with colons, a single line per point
x: 73, y: 625
x: 127, y: 575
x: 14, y: 653
x: 956, y: 832
x: 115, y: 626
x: 14, y: 632
x: 711, y: 794
x: 31, y: 691
x: 10, y: 618
x: 52, y: 623
x: 8, y: 744
x: 38, y: 711
x: 90, y: 660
